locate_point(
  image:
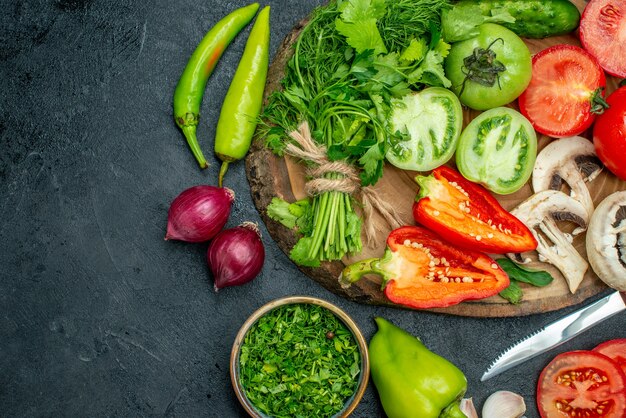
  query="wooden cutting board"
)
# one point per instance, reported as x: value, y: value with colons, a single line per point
x: 271, y: 176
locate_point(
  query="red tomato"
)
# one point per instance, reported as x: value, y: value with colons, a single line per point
x: 582, y: 384
x: 564, y: 92
x: 609, y: 134
x: 616, y: 350
x: 603, y: 34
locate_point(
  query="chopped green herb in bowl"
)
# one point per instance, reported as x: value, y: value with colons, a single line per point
x: 299, y: 357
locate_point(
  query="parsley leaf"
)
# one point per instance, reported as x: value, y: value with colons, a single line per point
x: 275, y: 140
x: 290, y: 214
x: 300, y: 253
x: 356, y: 10
x: 442, y: 48
x: 387, y: 71
x: 353, y: 229
x: 372, y: 162
x: 430, y: 71
x: 415, y: 51
x: 362, y: 36
x: 278, y: 210
x: 358, y: 24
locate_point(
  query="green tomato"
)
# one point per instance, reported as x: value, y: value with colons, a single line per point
x: 489, y: 70
x: 429, y: 123
x: 498, y: 150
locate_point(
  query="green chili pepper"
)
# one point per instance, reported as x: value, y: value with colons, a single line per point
x: 411, y: 380
x: 192, y: 83
x: 242, y: 104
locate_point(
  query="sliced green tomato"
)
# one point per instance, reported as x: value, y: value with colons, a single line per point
x: 498, y: 149
x: 430, y: 122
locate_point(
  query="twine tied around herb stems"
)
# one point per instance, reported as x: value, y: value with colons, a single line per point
x: 305, y: 148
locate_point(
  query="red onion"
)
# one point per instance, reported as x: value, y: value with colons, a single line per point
x: 199, y: 213
x: 236, y: 255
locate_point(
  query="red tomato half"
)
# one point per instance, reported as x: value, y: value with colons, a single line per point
x: 616, y: 350
x: 603, y: 34
x: 582, y: 384
x: 563, y: 92
x: 609, y: 134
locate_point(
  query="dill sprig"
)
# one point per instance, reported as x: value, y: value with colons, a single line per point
x: 410, y: 19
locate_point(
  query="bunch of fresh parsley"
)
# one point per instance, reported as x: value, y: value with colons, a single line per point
x: 349, y: 61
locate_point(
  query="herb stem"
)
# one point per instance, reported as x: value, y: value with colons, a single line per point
x: 296, y: 56
x: 332, y: 219
x: 318, y: 80
x: 320, y: 226
x: 342, y: 225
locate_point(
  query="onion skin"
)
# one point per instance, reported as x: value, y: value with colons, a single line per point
x: 468, y: 408
x: 199, y: 213
x: 236, y: 255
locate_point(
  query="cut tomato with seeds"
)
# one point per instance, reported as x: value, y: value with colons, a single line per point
x: 603, y: 34
x: 565, y: 92
x: 616, y: 350
x: 498, y: 150
x: 582, y: 384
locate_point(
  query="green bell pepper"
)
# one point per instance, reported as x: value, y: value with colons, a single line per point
x: 411, y: 380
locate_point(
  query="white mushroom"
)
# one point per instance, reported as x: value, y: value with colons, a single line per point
x: 606, y: 241
x: 541, y: 211
x: 572, y: 160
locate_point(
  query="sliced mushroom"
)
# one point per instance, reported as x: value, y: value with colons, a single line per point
x: 606, y: 241
x: 572, y: 160
x: 542, y: 210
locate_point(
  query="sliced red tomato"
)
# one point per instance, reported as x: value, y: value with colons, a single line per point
x: 466, y: 214
x: 603, y: 34
x: 616, y: 350
x: 609, y: 133
x: 582, y: 384
x: 565, y: 92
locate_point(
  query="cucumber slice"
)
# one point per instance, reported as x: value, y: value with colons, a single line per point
x: 498, y: 150
x: 430, y: 123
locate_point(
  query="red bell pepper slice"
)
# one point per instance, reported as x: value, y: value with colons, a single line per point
x: 466, y: 214
x: 420, y: 270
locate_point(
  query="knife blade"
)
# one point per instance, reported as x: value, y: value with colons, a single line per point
x: 557, y: 333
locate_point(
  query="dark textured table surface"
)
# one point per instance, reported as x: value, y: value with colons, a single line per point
x: 98, y: 314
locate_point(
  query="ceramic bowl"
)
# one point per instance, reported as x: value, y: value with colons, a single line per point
x: 351, y: 403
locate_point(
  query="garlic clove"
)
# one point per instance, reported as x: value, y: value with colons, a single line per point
x: 504, y: 404
x: 468, y: 408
